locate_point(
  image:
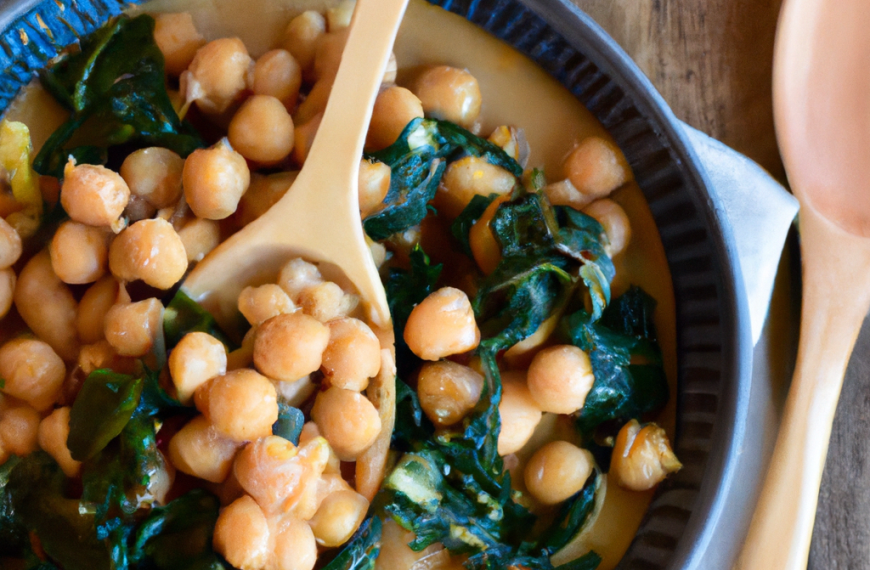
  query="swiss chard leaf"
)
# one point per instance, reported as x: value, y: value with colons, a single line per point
x: 115, y: 88
x: 361, y: 551
x: 289, y: 424
x: 572, y: 516
x: 466, y: 219
x: 412, y: 427
x: 13, y: 536
x: 184, y: 315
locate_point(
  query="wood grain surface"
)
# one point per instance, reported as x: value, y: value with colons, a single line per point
x: 712, y: 60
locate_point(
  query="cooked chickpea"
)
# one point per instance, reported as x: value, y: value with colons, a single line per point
x: 199, y: 450
x: 615, y: 222
x: 103, y: 355
x: 295, y: 547
x: 10, y: 245
x: 353, y: 354
x: 259, y: 304
x: 557, y: 471
x: 559, y: 378
x: 263, y: 193
x: 19, y: 429
x: 47, y: 306
x: 52, y: 435
x: 93, y: 308
x: 290, y: 346
x: 278, y: 74
x: 339, y: 17
x: 218, y: 74
x: 162, y: 479
x: 32, y: 371
x: 338, y: 517
x: 214, y: 181
x: 449, y: 93
x: 467, y: 177
x: 442, y: 325
x: 329, y: 483
x: 519, y: 414
x: 243, y: 357
x: 297, y: 275
x: 79, y: 253
x: 313, y: 106
x: 262, y: 130
x: 326, y: 301
x: 301, y: 36
x: 333, y: 464
x: 241, y: 535
x: 595, y: 169
x: 484, y: 247
x: 149, y: 250
x: 642, y: 457
x: 7, y: 290
x: 348, y: 421
x: 178, y: 40
x: 374, y: 183
x: 391, y: 71
x: 199, y: 237
x: 154, y: 174
x: 133, y: 328
x: 394, y: 108
x: 242, y: 405
x: 93, y: 195
x: 448, y: 391
x: 196, y: 359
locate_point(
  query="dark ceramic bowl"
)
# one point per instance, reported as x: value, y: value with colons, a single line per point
x: 684, y: 525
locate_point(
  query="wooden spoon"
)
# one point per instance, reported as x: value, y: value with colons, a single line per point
x: 319, y: 218
x: 822, y: 111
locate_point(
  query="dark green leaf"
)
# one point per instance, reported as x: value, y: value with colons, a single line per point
x: 103, y: 407
x: 289, y: 424
x: 473, y: 145
x: 184, y: 315
x: 361, y: 550
x: 470, y: 214
x: 13, y: 536
x: 572, y: 516
x: 411, y: 427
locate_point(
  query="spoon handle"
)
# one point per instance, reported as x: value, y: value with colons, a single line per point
x: 836, y: 298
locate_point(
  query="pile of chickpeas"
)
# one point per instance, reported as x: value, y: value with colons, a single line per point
x: 93, y: 298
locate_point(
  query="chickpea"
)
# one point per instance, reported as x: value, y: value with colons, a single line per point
x: 93, y: 195
x: 243, y: 357
x: 353, y: 354
x: 348, y: 421
x: 595, y: 168
x: 154, y: 174
x: 195, y: 360
x: 133, y: 328
x: 467, y: 177
x: 295, y: 547
x: 278, y: 74
x: 262, y: 130
x: 93, y: 308
x: 559, y: 378
x: 199, y: 450
x: 218, y: 75
x: 449, y: 93
x: 199, y: 237
x: 394, y: 108
x: 102, y: 355
x: 326, y: 301
x: 333, y: 464
x: 149, y: 250
x: 329, y: 483
x: 32, y: 371
x: 178, y: 40
x: 557, y: 471
x: 484, y: 247
x: 162, y: 479
x: 305, y: 134
x: 295, y: 393
x: 642, y: 457
x: 615, y: 222
x: 374, y: 183
x: 242, y: 405
x: 19, y: 429
x: 214, y: 181
x: 519, y: 414
x: 290, y: 346
x: 443, y: 324
x: 263, y: 193
x: 47, y: 306
x: 301, y: 36
x: 297, y: 275
x: 327, y: 57
x: 391, y: 71
x: 338, y: 517
x: 512, y: 140
x: 259, y: 304
x: 10, y: 245
x: 79, y: 253
x: 448, y: 391
x: 138, y: 209
x: 241, y: 535
x: 52, y: 435
x: 338, y: 17
x: 7, y: 290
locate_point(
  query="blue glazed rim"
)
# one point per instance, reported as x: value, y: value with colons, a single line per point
x: 713, y: 341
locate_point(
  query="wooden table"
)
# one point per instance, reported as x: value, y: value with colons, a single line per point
x: 711, y: 60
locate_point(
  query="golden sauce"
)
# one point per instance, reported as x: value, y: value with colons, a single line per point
x: 516, y: 92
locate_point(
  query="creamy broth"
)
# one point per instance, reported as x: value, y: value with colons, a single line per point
x: 514, y: 91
